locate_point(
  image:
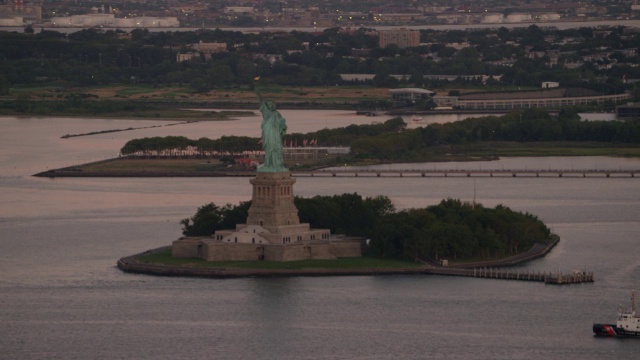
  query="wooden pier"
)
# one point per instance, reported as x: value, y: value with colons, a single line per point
x: 498, y: 273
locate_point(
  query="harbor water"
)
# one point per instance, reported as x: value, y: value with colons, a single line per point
x: 61, y: 296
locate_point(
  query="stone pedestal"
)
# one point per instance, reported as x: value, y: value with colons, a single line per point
x: 272, y: 201
x: 273, y: 230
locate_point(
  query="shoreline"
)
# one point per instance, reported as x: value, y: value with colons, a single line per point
x: 81, y: 171
x: 131, y: 264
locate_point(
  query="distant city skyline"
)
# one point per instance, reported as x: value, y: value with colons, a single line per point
x: 326, y: 13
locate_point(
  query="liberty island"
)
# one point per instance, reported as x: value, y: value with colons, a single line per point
x: 273, y: 230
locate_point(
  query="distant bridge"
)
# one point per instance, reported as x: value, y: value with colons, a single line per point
x: 550, y: 173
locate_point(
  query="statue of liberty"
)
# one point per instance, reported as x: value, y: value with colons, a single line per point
x: 273, y: 129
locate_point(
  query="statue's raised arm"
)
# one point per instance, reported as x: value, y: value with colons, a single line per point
x: 273, y: 129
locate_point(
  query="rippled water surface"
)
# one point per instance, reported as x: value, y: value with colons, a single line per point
x: 61, y: 296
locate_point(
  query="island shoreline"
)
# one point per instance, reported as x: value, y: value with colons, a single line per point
x: 132, y: 264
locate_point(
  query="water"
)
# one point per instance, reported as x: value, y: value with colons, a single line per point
x: 61, y: 296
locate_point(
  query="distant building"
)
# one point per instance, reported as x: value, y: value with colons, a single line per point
x: 517, y: 18
x: 493, y: 18
x: 445, y: 101
x: 547, y: 17
x: 357, y: 77
x: 28, y: 12
x: 628, y: 111
x: 109, y: 20
x: 402, y: 38
x: 547, y: 98
x: 550, y: 84
x: 410, y: 94
x: 185, y: 57
x: 209, y: 48
x: 11, y: 21
x: 458, y: 45
x: 240, y: 11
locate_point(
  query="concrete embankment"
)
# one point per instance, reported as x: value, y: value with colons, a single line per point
x: 133, y: 264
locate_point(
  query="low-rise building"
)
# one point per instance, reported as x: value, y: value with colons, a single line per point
x: 402, y: 38
x: 628, y: 111
x: 410, y: 94
x: 109, y: 20
x: 28, y: 12
x: 181, y: 57
x: 209, y: 48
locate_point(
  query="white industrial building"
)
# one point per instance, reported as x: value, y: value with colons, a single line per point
x: 517, y: 18
x: 493, y: 18
x: 410, y: 94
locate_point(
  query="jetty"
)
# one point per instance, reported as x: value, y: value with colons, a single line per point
x: 501, y: 269
x: 557, y: 278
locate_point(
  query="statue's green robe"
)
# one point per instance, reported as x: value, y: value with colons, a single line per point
x: 273, y: 129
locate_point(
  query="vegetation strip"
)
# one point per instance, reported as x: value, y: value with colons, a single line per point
x: 521, y: 133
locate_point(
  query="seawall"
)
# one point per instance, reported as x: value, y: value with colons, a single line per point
x: 131, y: 264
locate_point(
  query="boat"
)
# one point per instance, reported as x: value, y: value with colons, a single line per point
x: 628, y: 324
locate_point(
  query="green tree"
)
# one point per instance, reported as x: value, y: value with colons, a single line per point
x: 5, y: 86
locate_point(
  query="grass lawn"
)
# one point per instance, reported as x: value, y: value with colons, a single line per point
x: 164, y: 258
x: 186, y: 165
x: 154, y: 165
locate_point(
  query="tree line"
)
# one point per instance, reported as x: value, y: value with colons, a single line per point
x: 228, y: 144
x: 391, y: 140
x: 531, y: 125
x: 451, y: 229
x: 338, y: 137
x: 97, y: 57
